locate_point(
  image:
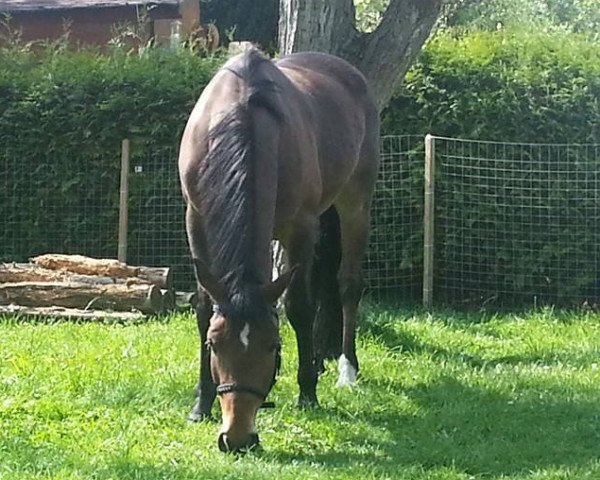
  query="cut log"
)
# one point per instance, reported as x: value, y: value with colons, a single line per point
x: 69, y: 313
x: 27, y: 272
x: 144, y: 298
x: 159, y: 276
x: 85, y: 265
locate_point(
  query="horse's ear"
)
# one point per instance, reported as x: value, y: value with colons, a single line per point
x: 272, y: 291
x: 215, y: 289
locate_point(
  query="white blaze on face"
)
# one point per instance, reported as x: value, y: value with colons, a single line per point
x: 347, y: 371
x: 245, y: 336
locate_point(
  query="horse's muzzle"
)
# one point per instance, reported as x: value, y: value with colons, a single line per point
x: 227, y: 445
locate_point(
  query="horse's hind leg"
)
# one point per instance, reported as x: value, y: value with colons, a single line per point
x: 354, y: 227
x: 300, y: 307
x: 328, y: 322
x: 205, y: 389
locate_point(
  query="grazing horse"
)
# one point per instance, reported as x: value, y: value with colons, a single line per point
x: 284, y: 150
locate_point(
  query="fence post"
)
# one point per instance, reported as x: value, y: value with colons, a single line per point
x: 123, y: 202
x: 428, y: 221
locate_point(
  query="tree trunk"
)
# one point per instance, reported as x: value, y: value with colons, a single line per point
x: 383, y: 56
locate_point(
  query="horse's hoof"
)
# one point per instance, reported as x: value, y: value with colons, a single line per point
x: 320, y: 364
x: 348, y: 373
x: 306, y: 403
x: 197, y: 416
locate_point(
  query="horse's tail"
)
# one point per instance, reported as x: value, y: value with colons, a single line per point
x: 329, y: 321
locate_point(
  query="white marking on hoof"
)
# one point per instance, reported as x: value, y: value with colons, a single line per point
x: 347, y: 371
x: 244, y: 336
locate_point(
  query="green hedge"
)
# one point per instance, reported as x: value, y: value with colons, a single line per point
x: 502, y: 86
x: 507, y: 86
x: 63, y: 115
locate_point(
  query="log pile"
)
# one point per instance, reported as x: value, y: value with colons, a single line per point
x: 74, y: 286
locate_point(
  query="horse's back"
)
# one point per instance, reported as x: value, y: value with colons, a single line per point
x: 345, y: 119
x: 330, y: 66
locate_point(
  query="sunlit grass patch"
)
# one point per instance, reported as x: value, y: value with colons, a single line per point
x: 444, y: 396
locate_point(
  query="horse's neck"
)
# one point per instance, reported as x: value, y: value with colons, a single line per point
x: 266, y: 147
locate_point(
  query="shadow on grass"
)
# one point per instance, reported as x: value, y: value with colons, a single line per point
x: 402, y: 341
x: 474, y: 430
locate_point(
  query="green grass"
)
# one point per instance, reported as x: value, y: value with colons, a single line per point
x: 445, y: 396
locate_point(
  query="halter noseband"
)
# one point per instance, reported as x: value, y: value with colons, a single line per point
x: 225, y: 388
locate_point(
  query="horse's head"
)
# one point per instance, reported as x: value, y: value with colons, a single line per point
x: 244, y: 343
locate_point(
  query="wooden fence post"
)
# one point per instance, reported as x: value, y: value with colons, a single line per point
x: 428, y: 221
x: 123, y: 202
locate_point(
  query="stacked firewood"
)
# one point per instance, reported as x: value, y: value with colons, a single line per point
x: 81, y: 287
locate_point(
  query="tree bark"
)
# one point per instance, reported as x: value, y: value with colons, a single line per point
x: 383, y: 56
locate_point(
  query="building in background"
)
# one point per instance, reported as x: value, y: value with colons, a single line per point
x: 96, y: 22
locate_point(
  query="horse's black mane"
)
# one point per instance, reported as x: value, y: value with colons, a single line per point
x: 228, y: 187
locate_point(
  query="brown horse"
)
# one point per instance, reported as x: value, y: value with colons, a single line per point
x: 284, y: 150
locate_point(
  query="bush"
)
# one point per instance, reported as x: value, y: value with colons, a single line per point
x: 508, y: 87
x: 63, y: 115
x: 504, y: 86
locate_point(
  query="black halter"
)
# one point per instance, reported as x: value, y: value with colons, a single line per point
x: 226, y: 388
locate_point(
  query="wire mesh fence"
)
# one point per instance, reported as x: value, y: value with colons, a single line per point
x: 514, y: 223
x: 156, y: 213
x: 393, y: 266
x: 69, y: 204
x: 517, y: 223
x: 65, y: 203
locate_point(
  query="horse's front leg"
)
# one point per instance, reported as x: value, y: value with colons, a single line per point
x: 300, y: 308
x: 205, y: 389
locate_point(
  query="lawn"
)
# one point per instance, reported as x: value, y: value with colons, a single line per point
x: 443, y: 396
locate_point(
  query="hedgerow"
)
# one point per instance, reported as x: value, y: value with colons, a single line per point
x: 63, y: 115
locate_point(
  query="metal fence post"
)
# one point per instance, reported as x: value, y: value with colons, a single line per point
x: 428, y: 221
x: 123, y: 201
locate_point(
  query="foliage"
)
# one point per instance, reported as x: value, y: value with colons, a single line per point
x: 369, y: 13
x: 579, y: 16
x: 441, y: 396
x: 507, y: 85
x: 63, y: 115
